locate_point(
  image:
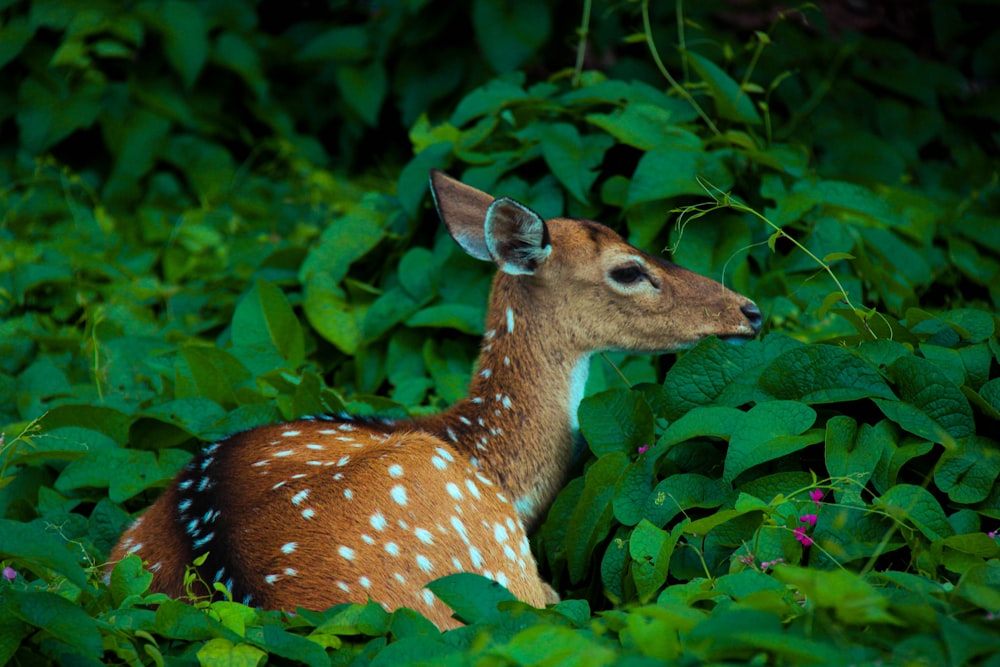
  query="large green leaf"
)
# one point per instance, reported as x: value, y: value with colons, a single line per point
x: 731, y: 101
x: 768, y: 431
x: 929, y: 404
x: 265, y: 332
x: 823, y: 374
x: 591, y: 518
x: 617, y: 420
x: 509, y: 32
x: 473, y: 597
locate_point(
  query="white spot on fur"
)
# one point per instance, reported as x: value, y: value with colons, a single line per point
x: 510, y: 320
x: 395, y: 471
x: 346, y: 553
x: 398, y: 494
x: 288, y: 547
x: 424, y: 563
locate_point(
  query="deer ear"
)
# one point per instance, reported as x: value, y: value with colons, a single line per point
x: 517, y: 238
x: 462, y: 209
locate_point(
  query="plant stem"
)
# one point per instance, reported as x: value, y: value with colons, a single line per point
x: 581, y: 47
x: 678, y: 88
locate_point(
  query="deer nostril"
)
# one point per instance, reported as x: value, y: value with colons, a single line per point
x: 752, y: 313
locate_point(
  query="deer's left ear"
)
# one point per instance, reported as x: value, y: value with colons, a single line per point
x: 517, y: 238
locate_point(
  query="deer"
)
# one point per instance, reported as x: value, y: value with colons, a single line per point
x: 325, y: 510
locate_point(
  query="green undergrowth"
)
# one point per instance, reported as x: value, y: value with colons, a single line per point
x: 182, y: 256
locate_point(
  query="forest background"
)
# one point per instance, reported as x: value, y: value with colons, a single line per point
x: 214, y: 215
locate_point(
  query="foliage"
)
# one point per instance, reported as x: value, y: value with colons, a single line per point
x: 180, y: 258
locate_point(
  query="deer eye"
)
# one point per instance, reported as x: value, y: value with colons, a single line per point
x: 627, y: 275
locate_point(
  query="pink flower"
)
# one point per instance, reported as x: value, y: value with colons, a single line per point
x: 808, y: 518
x: 643, y: 449
x: 816, y: 495
x: 9, y: 573
x: 800, y: 535
x: 994, y: 533
x: 770, y: 563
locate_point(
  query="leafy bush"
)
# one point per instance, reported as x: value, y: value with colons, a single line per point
x: 182, y: 258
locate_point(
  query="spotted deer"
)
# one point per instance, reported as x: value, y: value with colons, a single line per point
x: 324, y: 510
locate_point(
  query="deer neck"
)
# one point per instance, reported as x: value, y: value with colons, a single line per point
x: 518, y: 423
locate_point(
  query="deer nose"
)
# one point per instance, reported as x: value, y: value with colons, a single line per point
x: 752, y: 313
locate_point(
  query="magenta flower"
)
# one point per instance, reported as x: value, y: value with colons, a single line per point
x: 808, y: 518
x: 800, y: 535
x: 9, y: 573
x: 643, y: 449
x: 816, y: 495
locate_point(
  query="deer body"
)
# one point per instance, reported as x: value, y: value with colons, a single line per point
x: 326, y: 510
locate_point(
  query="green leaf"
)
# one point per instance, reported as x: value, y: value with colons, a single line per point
x: 34, y: 543
x: 929, y: 405
x: 768, y: 431
x: 63, y: 443
x: 136, y: 141
x: 61, y: 619
x: 15, y: 34
x: 508, y: 32
x: 968, y: 471
x: 341, y: 44
x: 716, y: 372
x: 266, y: 334
x: 918, y: 506
x: 221, y: 651
x: 639, y: 125
x: 573, y: 159
x: 632, y: 489
x: 555, y: 645
x: 124, y: 472
x: 423, y: 650
x: 823, y: 374
x: 185, y: 37
x: 717, y: 422
x: 281, y: 642
x: 591, y: 518
x: 177, y: 620
x: 467, y: 319
x: 490, y: 98
x: 682, y: 492
x: 853, y: 451
x: 129, y: 578
x: 209, y: 372
x: 731, y: 102
x: 617, y: 420
x: 852, y: 599
x: 47, y: 115
x: 364, y: 89
x: 346, y: 240
x: 650, y: 549
x: 667, y: 172
x: 472, y: 597
x: 330, y: 314
x: 852, y: 197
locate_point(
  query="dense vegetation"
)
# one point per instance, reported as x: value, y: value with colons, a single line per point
x: 213, y: 215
